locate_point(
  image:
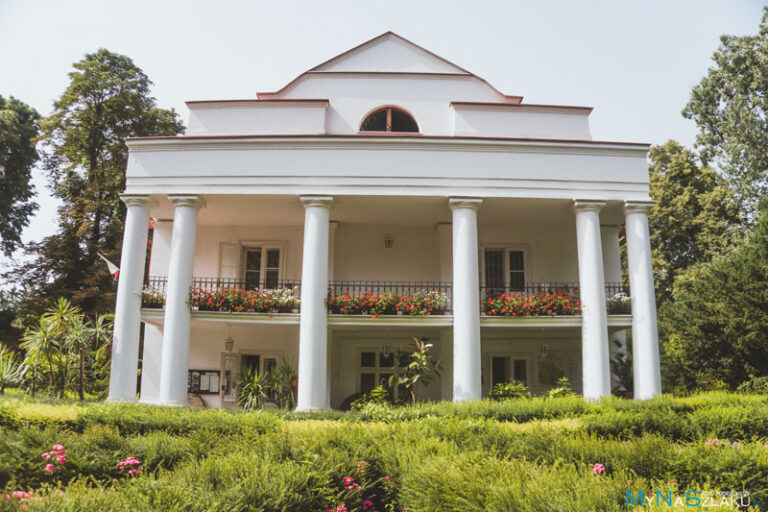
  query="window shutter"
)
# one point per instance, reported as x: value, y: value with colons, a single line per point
x: 229, y: 262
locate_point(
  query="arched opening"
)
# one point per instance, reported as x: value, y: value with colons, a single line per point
x: 389, y: 119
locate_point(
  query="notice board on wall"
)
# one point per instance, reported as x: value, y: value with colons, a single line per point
x: 203, y: 381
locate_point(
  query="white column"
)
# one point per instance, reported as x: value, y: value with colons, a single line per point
x: 645, y: 337
x: 313, y: 327
x: 175, y: 358
x: 596, y: 368
x: 609, y: 235
x: 125, y: 342
x: 466, y: 301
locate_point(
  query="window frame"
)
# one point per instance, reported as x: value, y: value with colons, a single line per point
x: 263, y: 247
x: 376, y: 369
x: 389, y: 131
x: 506, y: 271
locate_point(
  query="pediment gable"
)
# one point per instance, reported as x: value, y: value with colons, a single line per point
x: 389, y: 53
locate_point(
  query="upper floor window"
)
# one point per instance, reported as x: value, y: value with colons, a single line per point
x: 389, y: 119
x: 262, y: 267
x: 504, y: 269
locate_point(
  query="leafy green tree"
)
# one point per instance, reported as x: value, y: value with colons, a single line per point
x: 416, y: 368
x: 716, y: 327
x: 85, y: 155
x: 695, y: 216
x: 18, y: 131
x: 730, y: 107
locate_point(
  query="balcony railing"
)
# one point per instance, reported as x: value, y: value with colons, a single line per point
x: 379, y: 297
x: 415, y: 298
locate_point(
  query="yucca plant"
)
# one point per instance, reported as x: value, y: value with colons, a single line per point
x: 10, y: 369
x: 252, y: 389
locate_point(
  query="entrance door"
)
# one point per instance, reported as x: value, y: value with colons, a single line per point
x: 507, y: 368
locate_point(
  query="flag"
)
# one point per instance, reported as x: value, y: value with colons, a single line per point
x: 113, y: 269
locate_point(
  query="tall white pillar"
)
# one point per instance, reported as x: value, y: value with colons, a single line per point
x: 125, y: 343
x: 645, y: 337
x: 596, y: 368
x: 175, y: 358
x: 313, y: 326
x: 466, y: 301
x: 609, y: 236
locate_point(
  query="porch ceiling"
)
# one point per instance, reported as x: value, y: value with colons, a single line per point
x: 287, y: 210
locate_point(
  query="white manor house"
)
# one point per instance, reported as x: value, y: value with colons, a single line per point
x: 383, y: 195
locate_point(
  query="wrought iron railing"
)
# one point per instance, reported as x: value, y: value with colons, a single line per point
x: 617, y: 294
x: 439, y: 294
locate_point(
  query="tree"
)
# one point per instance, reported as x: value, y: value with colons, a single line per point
x: 421, y: 370
x: 695, y: 218
x: 730, y: 107
x: 85, y: 156
x: 18, y: 131
x: 716, y: 328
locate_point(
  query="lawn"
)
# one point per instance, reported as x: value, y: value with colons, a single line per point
x: 519, y: 455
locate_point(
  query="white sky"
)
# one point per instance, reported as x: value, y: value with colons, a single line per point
x: 634, y: 61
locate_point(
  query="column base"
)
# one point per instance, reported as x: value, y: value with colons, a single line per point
x: 117, y: 400
x: 170, y: 403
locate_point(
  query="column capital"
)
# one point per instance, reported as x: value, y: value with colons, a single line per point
x: 587, y: 205
x: 136, y: 200
x: 460, y: 203
x: 638, y: 206
x: 191, y: 201
x: 317, y: 201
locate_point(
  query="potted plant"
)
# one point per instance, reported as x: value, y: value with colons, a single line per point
x: 151, y: 298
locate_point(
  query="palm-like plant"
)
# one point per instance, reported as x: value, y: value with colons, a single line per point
x: 282, y: 382
x: 42, y: 344
x: 251, y: 390
x: 10, y: 369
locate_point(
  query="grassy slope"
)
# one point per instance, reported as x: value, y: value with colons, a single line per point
x: 519, y: 455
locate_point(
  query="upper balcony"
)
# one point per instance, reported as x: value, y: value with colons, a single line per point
x: 279, y: 301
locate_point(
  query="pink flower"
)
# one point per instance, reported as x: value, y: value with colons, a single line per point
x: 736, y: 444
x: 133, y: 471
x: 348, y: 480
x: 46, y: 455
x: 341, y: 508
x: 50, y: 467
x: 61, y: 459
x: 712, y: 442
x: 366, y: 504
x: 387, y: 478
x: 597, y: 469
x: 57, y: 447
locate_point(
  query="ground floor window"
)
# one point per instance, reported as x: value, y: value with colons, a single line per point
x: 376, y: 368
x: 507, y: 368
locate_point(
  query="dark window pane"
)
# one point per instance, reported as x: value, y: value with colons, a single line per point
x: 499, y: 370
x: 250, y: 361
x: 516, y: 281
x: 253, y: 260
x: 367, y: 382
x: 386, y: 360
x: 494, y: 263
x: 252, y: 280
x: 402, y: 122
x: 376, y: 122
x: 273, y: 258
x: 521, y: 370
x: 269, y: 363
x: 368, y: 359
x: 272, y: 278
x: 516, y: 260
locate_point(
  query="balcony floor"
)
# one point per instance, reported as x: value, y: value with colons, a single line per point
x: 156, y: 317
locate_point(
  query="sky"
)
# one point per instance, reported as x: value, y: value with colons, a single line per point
x: 633, y: 61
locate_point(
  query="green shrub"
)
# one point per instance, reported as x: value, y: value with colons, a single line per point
x: 378, y: 395
x: 509, y: 391
x: 562, y: 389
x: 758, y: 385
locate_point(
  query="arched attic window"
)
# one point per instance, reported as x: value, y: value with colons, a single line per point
x: 389, y: 119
